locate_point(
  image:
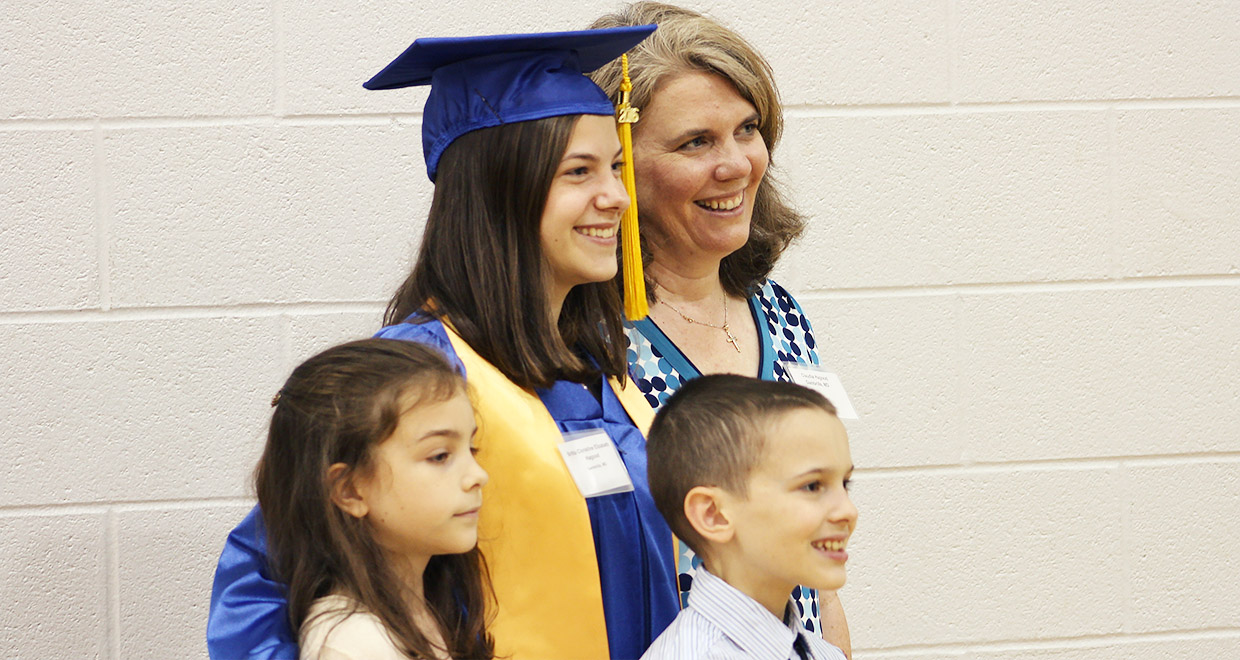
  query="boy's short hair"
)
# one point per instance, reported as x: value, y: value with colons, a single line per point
x: 712, y: 432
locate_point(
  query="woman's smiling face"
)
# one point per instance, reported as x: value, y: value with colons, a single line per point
x: 699, y: 159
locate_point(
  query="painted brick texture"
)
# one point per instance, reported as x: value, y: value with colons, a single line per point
x: 47, y: 239
x: 1022, y: 258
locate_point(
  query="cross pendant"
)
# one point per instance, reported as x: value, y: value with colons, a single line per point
x: 731, y: 338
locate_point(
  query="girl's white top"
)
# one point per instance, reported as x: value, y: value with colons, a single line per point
x: 337, y: 629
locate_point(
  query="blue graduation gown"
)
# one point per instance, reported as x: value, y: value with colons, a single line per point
x: 628, y: 531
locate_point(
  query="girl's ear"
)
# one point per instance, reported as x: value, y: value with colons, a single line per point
x: 705, y: 507
x: 344, y: 492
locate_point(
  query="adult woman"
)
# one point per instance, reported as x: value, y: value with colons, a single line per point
x: 713, y: 220
x: 512, y: 284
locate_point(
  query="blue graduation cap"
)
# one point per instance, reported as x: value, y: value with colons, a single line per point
x: 478, y: 82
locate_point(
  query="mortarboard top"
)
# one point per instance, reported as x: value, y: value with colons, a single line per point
x: 478, y: 82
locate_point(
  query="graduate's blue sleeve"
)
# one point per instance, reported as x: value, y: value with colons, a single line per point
x: 431, y: 333
x: 248, y: 619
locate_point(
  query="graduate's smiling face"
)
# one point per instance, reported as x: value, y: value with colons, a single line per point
x: 580, y: 224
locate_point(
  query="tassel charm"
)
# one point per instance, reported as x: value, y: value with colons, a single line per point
x: 635, y: 306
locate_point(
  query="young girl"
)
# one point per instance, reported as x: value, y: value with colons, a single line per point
x: 371, y: 495
x: 513, y: 283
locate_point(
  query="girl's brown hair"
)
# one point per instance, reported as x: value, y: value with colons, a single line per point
x: 481, y: 265
x: 336, y: 408
x: 687, y: 41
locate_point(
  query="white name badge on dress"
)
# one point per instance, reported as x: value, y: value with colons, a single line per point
x: 595, y: 464
x: 826, y: 383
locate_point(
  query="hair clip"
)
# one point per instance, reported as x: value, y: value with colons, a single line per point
x: 276, y: 399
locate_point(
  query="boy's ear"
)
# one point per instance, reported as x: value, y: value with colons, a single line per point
x: 706, y: 509
x: 344, y: 492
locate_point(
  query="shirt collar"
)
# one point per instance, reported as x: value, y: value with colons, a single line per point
x: 757, y: 632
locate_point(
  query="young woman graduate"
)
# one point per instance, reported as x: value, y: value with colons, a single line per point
x: 512, y: 283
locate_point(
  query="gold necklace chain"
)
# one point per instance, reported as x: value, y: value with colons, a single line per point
x: 726, y: 331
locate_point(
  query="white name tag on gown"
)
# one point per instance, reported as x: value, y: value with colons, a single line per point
x: 826, y: 383
x: 595, y: 464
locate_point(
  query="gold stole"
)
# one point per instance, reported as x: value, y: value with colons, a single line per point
x: 534, y: 529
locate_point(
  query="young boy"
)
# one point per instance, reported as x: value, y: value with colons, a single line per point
x: 752, y: 475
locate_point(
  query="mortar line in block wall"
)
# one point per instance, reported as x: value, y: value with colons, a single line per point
x: 173, y: 313
x: 1187, y: 103
x: 111, y: 507
x: 796, y: 110
x: 1074, y: 464
x: 103, y: 219
x: 207, y: 121
x: 381, y: 119
x: 112, y: 561
x: 1051, y: 644
x: 804, y: 110
x: 267, y: 309
x: 115, y: 123
x: 1004, y: 288
x: 1047, y: 464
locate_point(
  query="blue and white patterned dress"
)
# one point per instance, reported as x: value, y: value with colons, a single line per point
x: 658, y: 367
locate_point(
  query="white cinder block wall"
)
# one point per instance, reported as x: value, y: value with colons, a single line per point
x: 1023, y: 259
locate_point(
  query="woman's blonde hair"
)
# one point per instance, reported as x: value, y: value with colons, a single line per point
x: 687, y: 41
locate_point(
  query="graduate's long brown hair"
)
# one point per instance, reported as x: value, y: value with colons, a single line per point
x: 336, y: 408
x: 481, y: 265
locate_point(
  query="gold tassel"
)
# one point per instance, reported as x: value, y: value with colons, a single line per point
x: 635, y: 307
